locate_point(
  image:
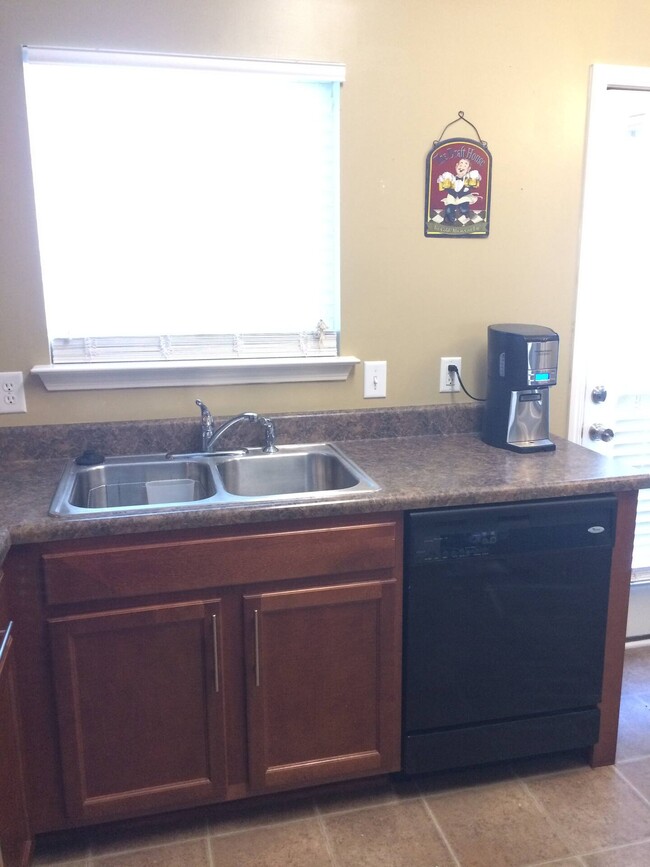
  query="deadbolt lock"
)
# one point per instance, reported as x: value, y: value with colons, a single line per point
x: 600, y: 432
x: 599, y: 394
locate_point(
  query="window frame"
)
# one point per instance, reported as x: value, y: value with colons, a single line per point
x: 105, y: 373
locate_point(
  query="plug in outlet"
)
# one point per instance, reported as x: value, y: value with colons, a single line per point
x: 12, y: 393
x: 449, y: 381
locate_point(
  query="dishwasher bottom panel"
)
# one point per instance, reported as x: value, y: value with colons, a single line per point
x: 430, y: 751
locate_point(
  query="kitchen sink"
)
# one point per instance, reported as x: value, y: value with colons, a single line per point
x: 145, y: 483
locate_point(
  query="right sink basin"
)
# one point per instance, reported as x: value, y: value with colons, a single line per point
x: 303, y: 471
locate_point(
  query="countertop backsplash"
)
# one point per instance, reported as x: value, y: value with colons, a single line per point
x: 184, y: 435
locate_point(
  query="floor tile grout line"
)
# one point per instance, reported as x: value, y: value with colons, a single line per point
x: 629, y: 783
x: 436, y: 824
x: 92, y: 854
x: 263, y: 826
x: 387, y: 803
x: 441, y: 793
x: 630, y: 759
x: 556, y: 861
x: 605, y: 849
x: 542, y: 775
x: 597, y: 851
x: 553, y: 824
x: 134, y: 850
x: 208, y: 850
x: 326, y: 835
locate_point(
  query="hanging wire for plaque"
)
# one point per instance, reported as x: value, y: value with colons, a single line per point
x: 458, y: 184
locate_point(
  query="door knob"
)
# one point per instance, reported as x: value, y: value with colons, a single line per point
x: 599, y: 394
x: 600, y: 432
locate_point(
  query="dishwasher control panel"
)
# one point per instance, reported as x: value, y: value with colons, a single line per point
x: 514, y: 528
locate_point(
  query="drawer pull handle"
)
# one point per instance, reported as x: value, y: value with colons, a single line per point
x: 257, y: 648
x: 215, y: 651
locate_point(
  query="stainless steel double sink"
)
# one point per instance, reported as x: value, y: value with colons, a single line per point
x: 145, y: 483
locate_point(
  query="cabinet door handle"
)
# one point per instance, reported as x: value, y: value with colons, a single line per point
x: 257, y: 647
x: 4, y: 644
x: 215, y: 651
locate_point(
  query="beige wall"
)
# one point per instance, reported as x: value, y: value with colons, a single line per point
x: 519, y: 70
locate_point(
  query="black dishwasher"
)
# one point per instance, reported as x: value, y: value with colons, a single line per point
x: 505, y: 616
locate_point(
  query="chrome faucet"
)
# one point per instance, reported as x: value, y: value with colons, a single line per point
x: 209, y: 435
x: 212, y: 440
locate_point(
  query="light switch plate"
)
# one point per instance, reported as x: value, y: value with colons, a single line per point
x: 374, y: 378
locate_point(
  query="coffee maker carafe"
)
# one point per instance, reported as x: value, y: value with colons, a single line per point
x: 522, y: 365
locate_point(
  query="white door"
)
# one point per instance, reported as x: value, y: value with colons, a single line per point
x: 610, y: 399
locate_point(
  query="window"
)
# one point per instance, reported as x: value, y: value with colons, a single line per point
x: 188, y: 208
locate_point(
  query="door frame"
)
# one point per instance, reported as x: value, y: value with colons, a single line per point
x: 602, y: 78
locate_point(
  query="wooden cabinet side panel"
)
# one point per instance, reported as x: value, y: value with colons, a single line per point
x: 15, y: 836
x: 40, y: 736
x: 604, y: 752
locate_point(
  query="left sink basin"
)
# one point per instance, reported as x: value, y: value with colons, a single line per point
x: 132, y: 482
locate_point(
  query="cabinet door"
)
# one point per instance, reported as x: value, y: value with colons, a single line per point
x: 14, y: 831
x: 140, y: 705
x: 323, y: 683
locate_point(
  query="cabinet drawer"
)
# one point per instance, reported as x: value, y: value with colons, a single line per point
x: 119, y: 571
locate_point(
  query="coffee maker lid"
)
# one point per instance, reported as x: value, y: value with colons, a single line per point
x: 539, y: 332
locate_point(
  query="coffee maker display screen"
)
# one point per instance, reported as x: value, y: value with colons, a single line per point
x: 542, y: 362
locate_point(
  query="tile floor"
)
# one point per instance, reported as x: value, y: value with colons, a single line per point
x: 554, y: 810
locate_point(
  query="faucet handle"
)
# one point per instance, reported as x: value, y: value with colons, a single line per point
x: 207, y: 424
x: 269, y: 435
x: 206, y: 415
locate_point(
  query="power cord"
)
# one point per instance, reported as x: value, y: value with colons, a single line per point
x: 452, y: 368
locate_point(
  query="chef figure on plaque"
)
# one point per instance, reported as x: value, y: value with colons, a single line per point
x: 460, y: 191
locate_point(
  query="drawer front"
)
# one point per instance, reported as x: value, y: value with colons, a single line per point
x: 161, y: 567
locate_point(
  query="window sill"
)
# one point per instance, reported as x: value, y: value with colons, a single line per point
x: 153, y: 374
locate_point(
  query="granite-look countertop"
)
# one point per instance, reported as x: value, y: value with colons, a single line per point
x: 413, y: 472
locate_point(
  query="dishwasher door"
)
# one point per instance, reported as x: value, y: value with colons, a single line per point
x: 505, y: 617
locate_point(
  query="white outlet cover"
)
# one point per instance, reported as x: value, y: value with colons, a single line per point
x: 444, y: 373
x: 12, y: 392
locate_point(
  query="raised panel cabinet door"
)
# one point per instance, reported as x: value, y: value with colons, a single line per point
x: 323, y: 684
x: 140, y: 703
x: 15, y: 841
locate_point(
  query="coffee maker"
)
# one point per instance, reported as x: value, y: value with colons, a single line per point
x: 522, y: 365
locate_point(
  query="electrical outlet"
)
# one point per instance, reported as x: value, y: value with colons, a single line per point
x: 449, y: 381
x: 374, y: 378
x: 12, y: 392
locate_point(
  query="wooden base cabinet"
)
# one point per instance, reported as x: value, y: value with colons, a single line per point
x: 194, y: 667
